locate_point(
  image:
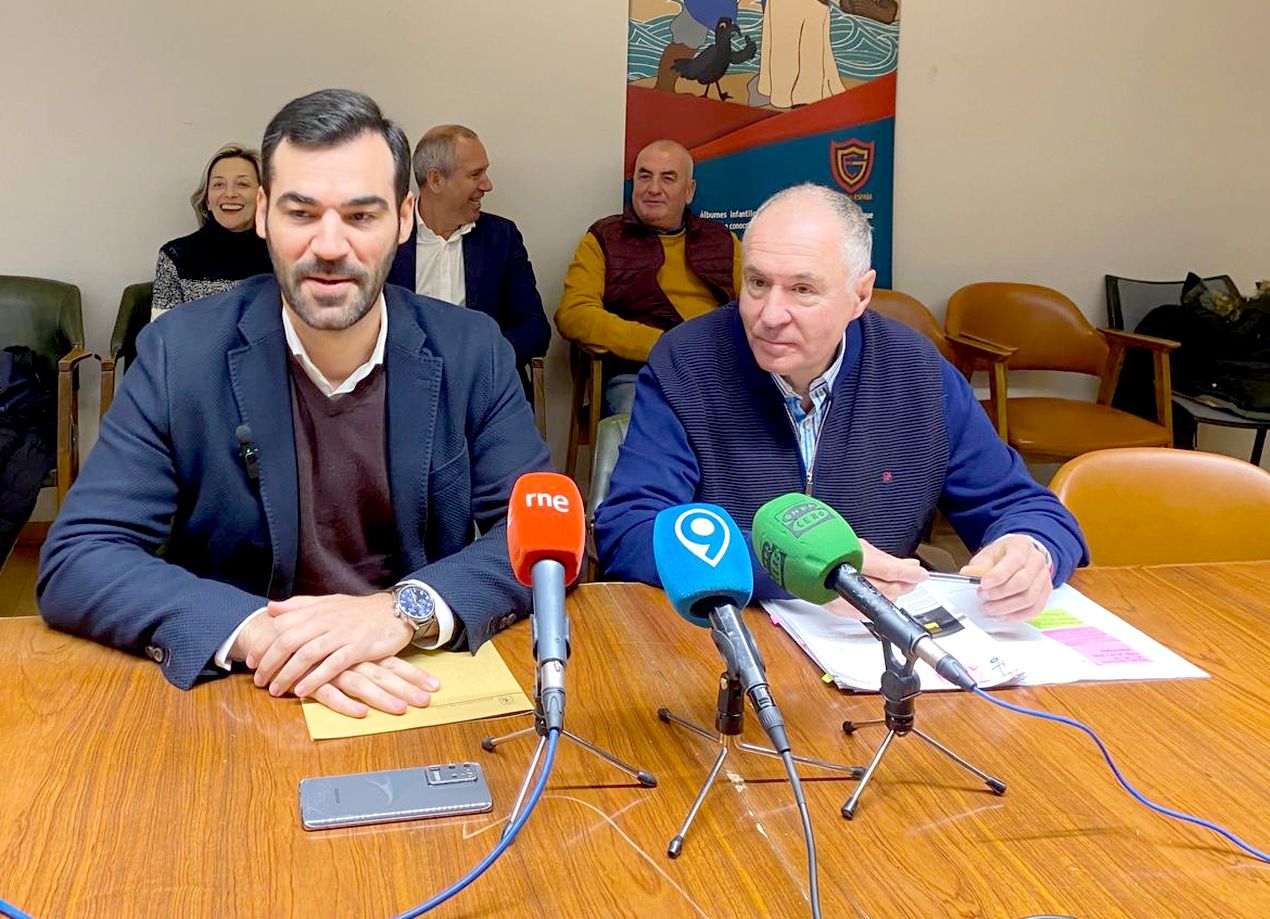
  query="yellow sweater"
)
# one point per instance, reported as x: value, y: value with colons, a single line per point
x: 581, y: 316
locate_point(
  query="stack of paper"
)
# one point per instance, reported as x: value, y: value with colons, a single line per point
x: 1072, y: 639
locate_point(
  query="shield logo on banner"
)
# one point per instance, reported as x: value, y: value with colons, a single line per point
x: 851, y: 162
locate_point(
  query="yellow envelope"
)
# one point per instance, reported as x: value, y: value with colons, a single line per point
x: 473, y: 686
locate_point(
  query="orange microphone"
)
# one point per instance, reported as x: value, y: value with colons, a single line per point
x: 546, y: 539
x: 545, y: 520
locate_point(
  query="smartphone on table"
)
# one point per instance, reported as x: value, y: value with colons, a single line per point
x: 444, y: 790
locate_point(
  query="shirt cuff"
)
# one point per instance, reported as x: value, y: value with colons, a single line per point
x: 1044, y: 550
x: 222, y: 653
x: 445, y: 618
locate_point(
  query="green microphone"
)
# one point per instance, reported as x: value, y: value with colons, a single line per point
x: 808, y: 549
x: 801, y: 542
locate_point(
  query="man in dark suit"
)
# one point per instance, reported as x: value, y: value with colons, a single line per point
x: 290, y: 476
x: 458, y: 253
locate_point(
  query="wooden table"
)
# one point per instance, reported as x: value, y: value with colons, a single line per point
x: 124, y: 797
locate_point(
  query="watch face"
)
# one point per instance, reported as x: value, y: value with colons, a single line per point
x: 415, y: 604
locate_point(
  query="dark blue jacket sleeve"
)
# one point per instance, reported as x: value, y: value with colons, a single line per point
x: 989, y: 493
x: 101, y: 574
x: 522, y: 320
x: 501, y: 283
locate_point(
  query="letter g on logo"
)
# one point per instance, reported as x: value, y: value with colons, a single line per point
x: 703, y: 533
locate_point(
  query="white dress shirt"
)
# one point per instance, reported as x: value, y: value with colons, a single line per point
x: 439, y: 263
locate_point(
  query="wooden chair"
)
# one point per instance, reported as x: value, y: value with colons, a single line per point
x: 134, y: 313
x: 1151, y: 506
x: 1048, y: 332
x: 962, y: 352
x: 47, y: 317
x: 586, y: 404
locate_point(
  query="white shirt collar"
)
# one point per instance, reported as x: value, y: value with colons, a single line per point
x: 361, y: 373
x: 427, y: 237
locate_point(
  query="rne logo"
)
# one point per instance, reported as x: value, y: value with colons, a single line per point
x: 546, y: 499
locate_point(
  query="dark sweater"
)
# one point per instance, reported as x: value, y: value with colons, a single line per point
x: 348, y: 535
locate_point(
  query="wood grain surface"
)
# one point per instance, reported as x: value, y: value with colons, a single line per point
x: 122, y: 796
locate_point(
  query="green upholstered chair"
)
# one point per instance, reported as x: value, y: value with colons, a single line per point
x: 47, y: 317
x: 609, y: 435
x: 134, y: 313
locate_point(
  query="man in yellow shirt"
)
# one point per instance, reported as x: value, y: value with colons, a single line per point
x: 641, y: 272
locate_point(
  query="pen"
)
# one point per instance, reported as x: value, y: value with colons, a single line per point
x: 947, y: 576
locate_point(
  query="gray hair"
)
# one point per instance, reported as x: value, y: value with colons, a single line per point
x: 857, y: 235
x: 435, y: 150
x: 228, y: 152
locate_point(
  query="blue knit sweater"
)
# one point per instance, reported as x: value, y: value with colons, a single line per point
x: 904, y: 434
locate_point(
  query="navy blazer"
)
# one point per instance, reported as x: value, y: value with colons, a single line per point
x: 165, y: 543
x: 499, y: 282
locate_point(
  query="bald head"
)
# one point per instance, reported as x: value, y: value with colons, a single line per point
x: 663, y: 184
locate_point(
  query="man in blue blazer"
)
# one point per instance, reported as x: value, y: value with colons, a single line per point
x: 295, y: 472
x: 459, y: 254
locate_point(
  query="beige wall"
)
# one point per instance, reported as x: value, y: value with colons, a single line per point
x: 1041, y: 142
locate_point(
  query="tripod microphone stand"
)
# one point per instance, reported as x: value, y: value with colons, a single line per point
x: 729, y: 721
x: 647, y: 779
x: 900, y: 688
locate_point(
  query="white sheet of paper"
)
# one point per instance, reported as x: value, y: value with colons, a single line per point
x: 1072, y: 639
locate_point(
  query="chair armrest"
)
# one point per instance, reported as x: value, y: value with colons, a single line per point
x: 995, y: 355
x: 73, y: 359
x: 1117, y: 342
x: 989, y: 351
x: 1135, y: 340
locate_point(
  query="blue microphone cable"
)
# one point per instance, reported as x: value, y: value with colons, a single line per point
x: 1138, y: 796
x: 553, y: 738
x: 8, y: 909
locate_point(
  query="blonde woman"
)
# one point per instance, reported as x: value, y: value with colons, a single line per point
x: 225, y: 248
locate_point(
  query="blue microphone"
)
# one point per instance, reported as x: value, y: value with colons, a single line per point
x: 704, y: 565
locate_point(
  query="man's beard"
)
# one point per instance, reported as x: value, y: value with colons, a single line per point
x: 317, y: 312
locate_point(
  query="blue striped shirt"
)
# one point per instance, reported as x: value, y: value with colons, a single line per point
x: 807, y: 424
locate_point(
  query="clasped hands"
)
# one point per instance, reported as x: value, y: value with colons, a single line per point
x: 338, y: 649
x: 1014, y: 577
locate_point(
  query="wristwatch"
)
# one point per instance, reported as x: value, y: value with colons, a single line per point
x: 415, y: 607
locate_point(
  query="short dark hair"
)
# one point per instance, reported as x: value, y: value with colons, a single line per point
x: 328, y: 118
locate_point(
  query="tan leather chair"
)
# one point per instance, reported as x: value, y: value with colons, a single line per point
x: 897, y: 305
x: 962, y: 353
x: 1048, y: 332
x: 1152, y: 506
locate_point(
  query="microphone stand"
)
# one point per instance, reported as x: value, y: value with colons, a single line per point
x: 551, y: 647
x: 647, y: 779
x: 729, y: 721
x: 900, y: 689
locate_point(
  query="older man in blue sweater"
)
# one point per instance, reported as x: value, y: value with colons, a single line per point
x: 797, y: 387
